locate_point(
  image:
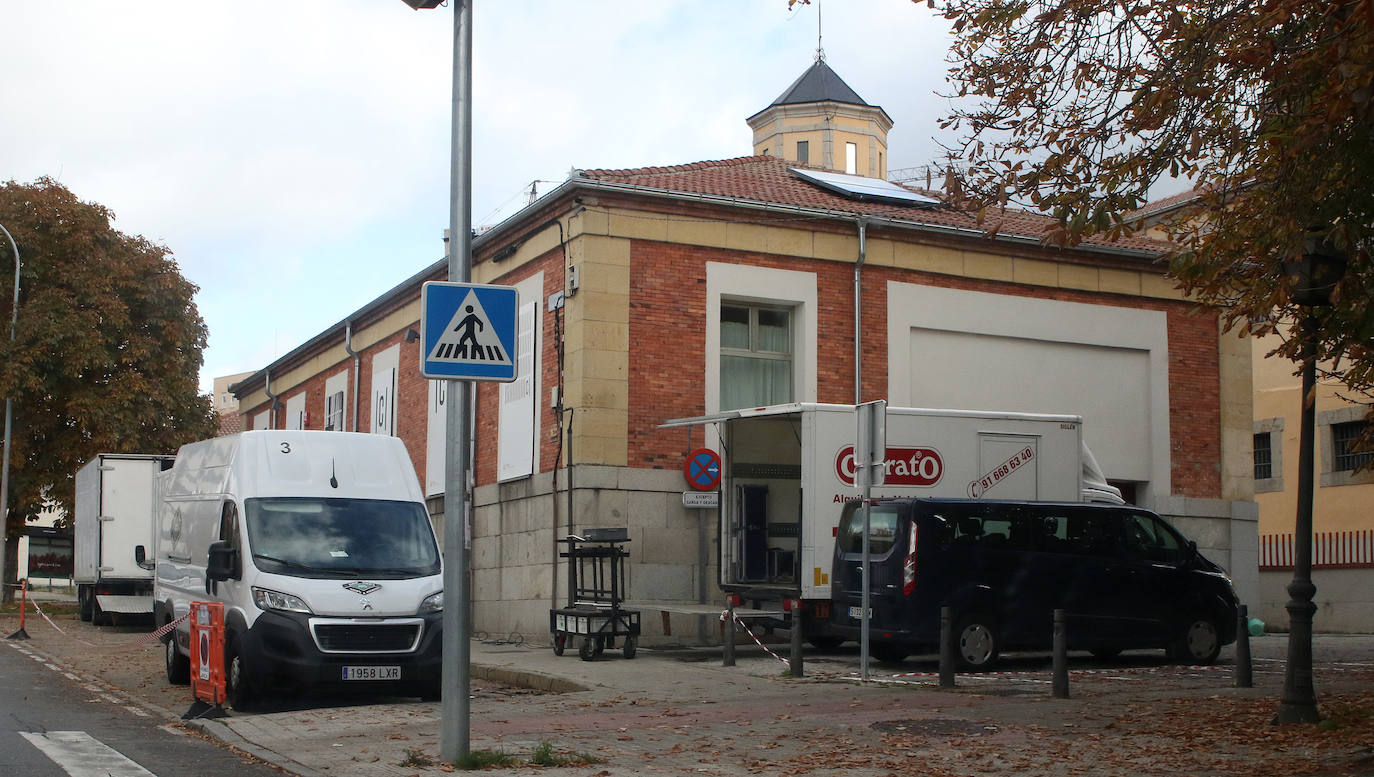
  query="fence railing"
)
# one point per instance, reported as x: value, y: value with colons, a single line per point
x: 1330, y: 550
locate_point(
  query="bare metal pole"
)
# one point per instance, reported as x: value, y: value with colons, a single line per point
x: 455, y: 734
x: 9, y: 416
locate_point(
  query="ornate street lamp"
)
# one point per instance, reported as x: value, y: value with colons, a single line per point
x: 1314, y: 276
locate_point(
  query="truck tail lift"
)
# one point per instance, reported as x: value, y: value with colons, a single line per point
x: 596, y: 579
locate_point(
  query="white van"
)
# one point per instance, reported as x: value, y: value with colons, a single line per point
x: 318, y: 545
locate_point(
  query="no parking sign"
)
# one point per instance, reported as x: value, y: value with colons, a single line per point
x: 702, y: 469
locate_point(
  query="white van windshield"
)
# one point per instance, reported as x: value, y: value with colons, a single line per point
x: 309, y: 537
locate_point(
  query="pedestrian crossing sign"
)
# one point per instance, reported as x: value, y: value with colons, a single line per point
x: 468, y: 331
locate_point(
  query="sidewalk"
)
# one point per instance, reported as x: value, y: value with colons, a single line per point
x: 682, y: 712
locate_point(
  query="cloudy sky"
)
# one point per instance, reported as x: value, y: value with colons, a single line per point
x: 294, y: 154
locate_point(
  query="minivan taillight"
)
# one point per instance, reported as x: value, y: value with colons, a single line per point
x: 909, y: 565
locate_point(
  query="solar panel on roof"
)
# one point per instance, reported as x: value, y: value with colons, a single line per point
x: 858, y: 187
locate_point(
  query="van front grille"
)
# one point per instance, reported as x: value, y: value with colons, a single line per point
x: 367, y: 637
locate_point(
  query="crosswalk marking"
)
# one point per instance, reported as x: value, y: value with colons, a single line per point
x: 82, y: 755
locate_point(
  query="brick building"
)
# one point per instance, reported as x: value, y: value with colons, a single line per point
x: 657, y: 293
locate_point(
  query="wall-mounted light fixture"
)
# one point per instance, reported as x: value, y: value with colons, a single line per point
x: 412, y: 335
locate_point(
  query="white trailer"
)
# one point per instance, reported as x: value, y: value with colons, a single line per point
x: 788, y: 470
x: 114, y: 531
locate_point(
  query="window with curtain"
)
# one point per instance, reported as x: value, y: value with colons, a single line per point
x: 755, y: 355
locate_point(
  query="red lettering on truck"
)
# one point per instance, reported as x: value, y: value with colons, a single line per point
x: 921, y: 467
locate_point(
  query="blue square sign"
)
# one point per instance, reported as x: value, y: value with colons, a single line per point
x: 468, y: 331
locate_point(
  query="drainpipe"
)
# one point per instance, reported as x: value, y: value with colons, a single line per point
x: 357, y: 362
x: 271, y: 406
x: 858, y: 311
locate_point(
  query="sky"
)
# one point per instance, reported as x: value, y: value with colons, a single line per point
x: 293, y: 155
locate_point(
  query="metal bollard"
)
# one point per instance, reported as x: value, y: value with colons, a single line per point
x: 946, y: 648
x: 795, y: 664
x: 1245, y: 677
x: 729, y: 632
x: 1061, y: 656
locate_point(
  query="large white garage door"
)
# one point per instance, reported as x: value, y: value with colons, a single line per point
x: 980, y: 351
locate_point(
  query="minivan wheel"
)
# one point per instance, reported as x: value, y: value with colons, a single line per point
x: 976, y: 646
x: 1200, y: 642
x: 178, y: 666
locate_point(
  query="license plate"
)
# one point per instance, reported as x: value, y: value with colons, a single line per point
x: 371, y: 672
x: 857, y: 613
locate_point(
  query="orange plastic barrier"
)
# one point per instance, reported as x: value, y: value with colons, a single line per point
x: 207, y: 652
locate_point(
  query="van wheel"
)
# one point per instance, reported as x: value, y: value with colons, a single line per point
x: 1199, y: 643
x: 976, y: 643
x: 826, y: 642
x: 887, y: 652
x: 238, y: 689
x: 178, y: 666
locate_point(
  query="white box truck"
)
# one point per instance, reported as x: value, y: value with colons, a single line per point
x: 319, y: 547
x: 788, y: 471
x: 112, y: 562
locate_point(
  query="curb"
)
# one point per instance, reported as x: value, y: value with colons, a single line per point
x: 222, y: 733
x: 525, y: 679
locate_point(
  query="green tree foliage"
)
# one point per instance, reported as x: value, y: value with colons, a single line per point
x: 107, y: 349
x: 1077, y: 107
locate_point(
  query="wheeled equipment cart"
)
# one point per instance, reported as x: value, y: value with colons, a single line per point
x: 596, y: 579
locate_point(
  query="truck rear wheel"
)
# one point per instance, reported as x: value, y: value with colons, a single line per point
x: 98, y: 616
x: 84, y: 603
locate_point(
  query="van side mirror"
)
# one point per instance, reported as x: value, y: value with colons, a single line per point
x: 221, y: 564
x: 141, y: 557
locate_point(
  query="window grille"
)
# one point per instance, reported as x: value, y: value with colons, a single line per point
x: 1264, y: 457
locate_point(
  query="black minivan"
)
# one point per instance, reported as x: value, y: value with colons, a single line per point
x: 1125, y: 578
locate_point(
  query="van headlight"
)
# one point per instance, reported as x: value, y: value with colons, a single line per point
x: 267, y: 599
x: 432, y: 603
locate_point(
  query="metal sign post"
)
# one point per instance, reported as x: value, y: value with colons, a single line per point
x: 870, y: 455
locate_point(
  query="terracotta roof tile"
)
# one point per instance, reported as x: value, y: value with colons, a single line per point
x: 767, y: 180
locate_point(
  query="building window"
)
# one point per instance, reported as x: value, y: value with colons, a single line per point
x: 851, y: 158
x: 1344, y: 436
x: 755, y: 355
x: 333, y: 412
x: 1264, y: 457
x: 804, y: 152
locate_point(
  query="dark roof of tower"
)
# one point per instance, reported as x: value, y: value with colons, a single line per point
x: 819, y: 83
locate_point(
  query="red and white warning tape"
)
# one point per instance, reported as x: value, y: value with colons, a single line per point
x: 142, y: 641
x: 727, y: 613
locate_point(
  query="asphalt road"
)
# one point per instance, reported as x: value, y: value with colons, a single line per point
x: 56, y: 724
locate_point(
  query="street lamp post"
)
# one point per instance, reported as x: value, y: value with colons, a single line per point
x: 455, y: 715
x: 9, y: 416
x: 1314, y: 275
